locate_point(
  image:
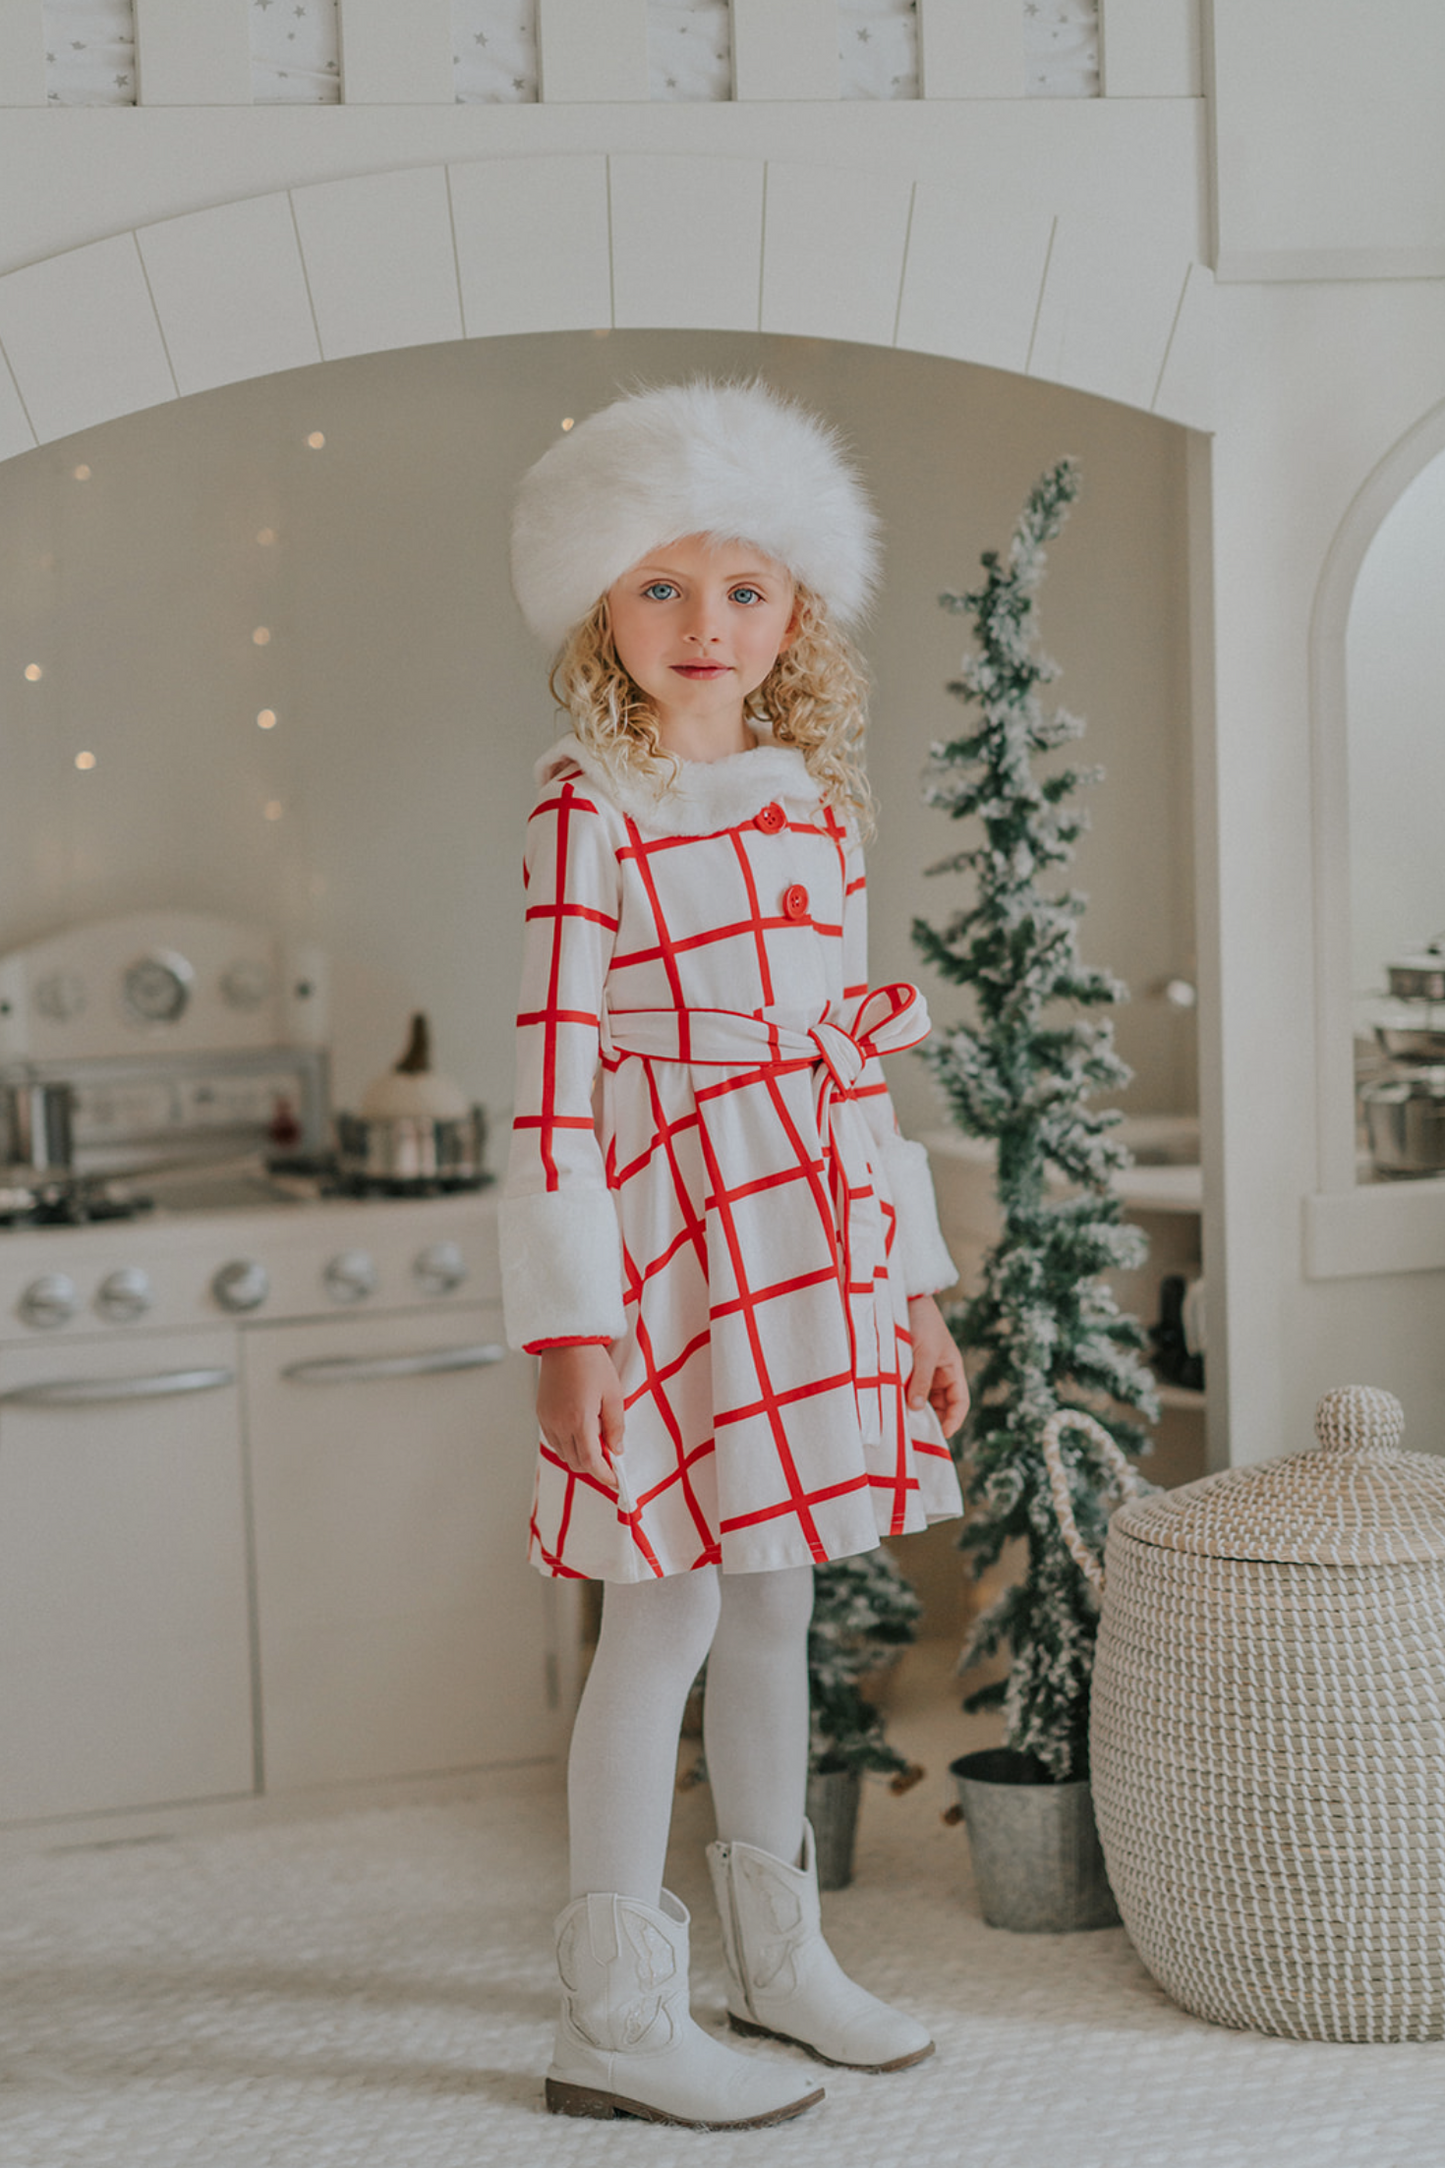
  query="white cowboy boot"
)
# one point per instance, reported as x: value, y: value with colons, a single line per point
x: 784, y: 1981
x: 625, y: 2042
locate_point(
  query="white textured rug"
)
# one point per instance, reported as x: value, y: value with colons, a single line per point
x: 374, y: 1990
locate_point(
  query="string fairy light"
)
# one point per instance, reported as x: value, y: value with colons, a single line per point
x: 261, y: 637
x: 85, y: 760
x: 316, y: 439
x: 33, y: 673
x: 266, y: 720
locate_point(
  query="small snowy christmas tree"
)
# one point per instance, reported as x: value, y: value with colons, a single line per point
x: 1045, y: 1332
x: 865, y: 1613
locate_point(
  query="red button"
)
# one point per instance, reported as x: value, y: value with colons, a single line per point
x: 795, y: 901
x: 771, y: 819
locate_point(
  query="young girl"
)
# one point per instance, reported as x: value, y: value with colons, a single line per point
x: 725, y: 1262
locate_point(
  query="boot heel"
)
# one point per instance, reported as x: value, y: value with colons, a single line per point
x: 564, y: 2099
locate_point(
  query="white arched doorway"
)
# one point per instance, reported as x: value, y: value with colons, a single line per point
x: 1334, y: 597
x: 501, y: 246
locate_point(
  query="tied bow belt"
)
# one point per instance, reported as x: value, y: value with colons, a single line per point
x: 889, y: 1018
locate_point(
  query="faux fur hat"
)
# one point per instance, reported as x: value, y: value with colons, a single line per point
x: 731, y: 460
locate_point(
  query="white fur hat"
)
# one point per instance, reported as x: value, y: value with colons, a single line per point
x: 732, y: 460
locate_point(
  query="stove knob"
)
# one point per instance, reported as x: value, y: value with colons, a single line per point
x: 350, y: 1277
x: 440, y: 1268
x: 124, y: 1296
x: 49, y: 1301
x: 241, y: 1285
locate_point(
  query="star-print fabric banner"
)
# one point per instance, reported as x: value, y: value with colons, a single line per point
x: 878, y: 48
x: 1061, y: 48
x: 295, y: 52
x: 494, y: 51
x: 690, y: 50
x: 89, y: 52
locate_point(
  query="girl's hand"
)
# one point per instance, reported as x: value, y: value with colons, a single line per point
x: 579, y: 1409
x: 937, y: 1365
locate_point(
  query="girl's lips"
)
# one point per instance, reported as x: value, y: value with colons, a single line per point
x: 700, y: 669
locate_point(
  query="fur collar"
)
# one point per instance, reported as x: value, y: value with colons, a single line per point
x: 708, y: 794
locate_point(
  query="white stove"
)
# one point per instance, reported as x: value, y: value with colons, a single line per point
x: 265, y: 1463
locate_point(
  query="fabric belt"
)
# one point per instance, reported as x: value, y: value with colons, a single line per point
x: 888, y: 1019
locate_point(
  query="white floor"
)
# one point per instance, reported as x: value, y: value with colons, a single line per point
x: 374, y: 1990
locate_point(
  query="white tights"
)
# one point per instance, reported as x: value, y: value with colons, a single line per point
x: 753, y: 1629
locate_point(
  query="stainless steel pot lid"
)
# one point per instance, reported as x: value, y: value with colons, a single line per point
x: 1420, y: 977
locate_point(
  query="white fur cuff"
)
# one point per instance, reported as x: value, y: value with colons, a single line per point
x: 926, y: 1264
x: 561, y: 1266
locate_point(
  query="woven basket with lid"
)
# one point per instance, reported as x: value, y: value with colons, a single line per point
x: 1268, y: 1734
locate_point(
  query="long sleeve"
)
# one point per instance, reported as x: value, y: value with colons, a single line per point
x: 561, y: 1248
x: 926, y: 1264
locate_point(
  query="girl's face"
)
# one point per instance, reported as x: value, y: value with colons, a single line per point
x: 698, y: 625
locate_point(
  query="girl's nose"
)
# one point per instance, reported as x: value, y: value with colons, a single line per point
x: 702, y: 625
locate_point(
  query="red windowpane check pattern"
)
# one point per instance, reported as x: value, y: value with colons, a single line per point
x: 764, y: 1365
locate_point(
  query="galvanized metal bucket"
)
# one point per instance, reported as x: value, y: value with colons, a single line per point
x: 833, y: 1812
x: 1037, y: 1862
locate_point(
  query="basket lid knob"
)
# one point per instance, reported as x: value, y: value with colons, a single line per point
x: 1359, y: 1419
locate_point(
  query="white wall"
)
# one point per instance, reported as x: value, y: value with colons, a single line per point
x: 1396, y: 705
x: 411, y: 703
x: 1327, y: 138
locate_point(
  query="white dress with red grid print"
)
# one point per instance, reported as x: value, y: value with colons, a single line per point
x: 739, y: 1218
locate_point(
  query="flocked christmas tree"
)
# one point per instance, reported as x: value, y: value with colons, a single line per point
x: 1045, y: 1331
x: 865, y: 1613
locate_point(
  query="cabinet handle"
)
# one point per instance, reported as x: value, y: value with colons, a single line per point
x: 85, y: 1392
x: 364, y: 1369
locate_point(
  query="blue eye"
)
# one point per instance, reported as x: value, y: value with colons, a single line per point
x: 659, y: 591
x: 746, y: 594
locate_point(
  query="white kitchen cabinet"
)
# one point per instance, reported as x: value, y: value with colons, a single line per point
x: 402, y: 1631
x: 125, y: 1666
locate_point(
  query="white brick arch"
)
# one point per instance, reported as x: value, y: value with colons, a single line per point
x: 483, y: 248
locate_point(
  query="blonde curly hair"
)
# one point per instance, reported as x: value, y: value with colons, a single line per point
x: 815, y: 698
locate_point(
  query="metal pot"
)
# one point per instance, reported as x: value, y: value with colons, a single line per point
x: 1412, y: 1042
x: 36, y: 1126
x: 394, y: 1150
x: 1405, y: 1121
x: 1422, y: 977
x: 1037, y: 1863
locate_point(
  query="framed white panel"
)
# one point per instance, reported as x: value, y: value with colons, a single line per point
x: 1186, y: 381
x: 16, y: 434
x: 1106, y: 312
x: 833, y: 251
x: 193, y: 52
x: 532, y: 244
x: 974, y: 276
x: 1150, y: 49
x: 81, y: 334
x: 787, y: 51
x: 970, y: 49
x: 687, y: 242
x: 230, y: 292
x: 22, y: 55
x: 380, y: 261
x: 592, y: 52
x: 1327, y: 137
x: 394, y: 55
x: 1378, y: 1227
